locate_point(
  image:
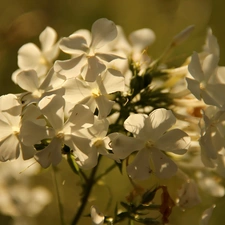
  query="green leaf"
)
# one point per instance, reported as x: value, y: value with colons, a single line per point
x: 72, y: 163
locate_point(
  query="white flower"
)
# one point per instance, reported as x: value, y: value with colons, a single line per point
x: 211, y: 45
x: 62, y: 132
x: 212, y: 135
x: 96, y: 216
x: 31, y: 57
x: 188, y: 195
x: 206, y: 215
x: 95, y: 94
x: 205, y: 84
x: 150, y: 137
x: 88, y: 60
x: 36, y: 88
x: 10, y: 124
x: 99, y: 143
x: 140, y: 40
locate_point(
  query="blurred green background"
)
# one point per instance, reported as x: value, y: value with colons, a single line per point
x: 21, y: 21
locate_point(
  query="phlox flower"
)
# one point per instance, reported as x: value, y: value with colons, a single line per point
x: 211, y: 46
x: 86, y: 49
x: 139, y: 40
x: 31, y: 56
x: 10, y: 125
x: 99, y: 143
x: 36, y: 88
x: 96, y: 216
x: 150, y: 139
x: 206, y: 215
x: 60, y: 132
x: 212, y: 135
x: 188, y: 195
x: 204, y: 84
x: 135, y: 49
x: 95, y: 94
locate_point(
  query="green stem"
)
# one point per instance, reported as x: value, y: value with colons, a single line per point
x: 60, y: 206
x: 89, y: 185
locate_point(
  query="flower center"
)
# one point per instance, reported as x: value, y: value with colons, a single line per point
x: 37, y: 93
x: 95, y: 92
x: 149, y: 144
x: 202, y: 85
x: 15, y: 130
x: 60, y: 135
x: 98, y: 143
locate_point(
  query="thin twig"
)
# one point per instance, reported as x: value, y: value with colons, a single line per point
x: 89, y: 185
x: 60, y: 206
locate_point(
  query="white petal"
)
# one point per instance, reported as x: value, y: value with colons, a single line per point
x: 188, y: 195
x: 11, y: 109
x: 99, y: 129
x: 140, y: 169
x: 71, y: 67
x: 195, y: 68
x: 86, y: 34
x: 28, y: 56
x: 76, y: 90
x: 80, y: 146
x: 103, y: 31
x: 104, y: 106
x: 209, y: 66
x: 213, y: 94
x: 88, y: 162
x: 27, y: 151
x: 208, y: 162
x: 123, y: 146
x: 108, y: 57
x: 207, y: 146
x: 164, y: 167
x: 220, y: 169
x: 76, y: 142
x: 9, y: 148
x: 31, y: 133
x: 32, y: 112
x: 52, y: 80
x: 51, y: 154
x: 175, y: 141
x: 47, y: 38
x: 206, y: 215
x: 53, y: 109
x: 28, y: 80
x: 81, y: 117
x: 212, y: 44
x: 92, y: 69
x: 158, y: 122
x: 74, y: 45
x: 96, y: 216
x: 51, y: 54
x: 5, y: 130
x: 140, y: 39
x: 135, y: 122
x: 194, y: 87
x: 113, y: 81
x: 9, y: 103
x: 14, y: 74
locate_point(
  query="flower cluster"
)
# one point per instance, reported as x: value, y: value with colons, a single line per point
x: 110, y: 98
